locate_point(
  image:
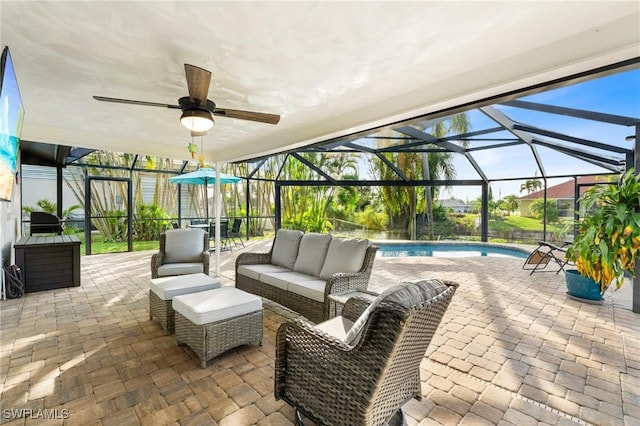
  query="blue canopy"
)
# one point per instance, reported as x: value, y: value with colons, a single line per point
x: 204, y: 176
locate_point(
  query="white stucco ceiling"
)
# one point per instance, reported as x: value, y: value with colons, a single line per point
x: 328, y: 68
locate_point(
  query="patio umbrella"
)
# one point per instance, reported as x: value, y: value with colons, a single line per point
x: 204, y: 176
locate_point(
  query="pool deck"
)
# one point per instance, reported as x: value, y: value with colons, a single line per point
x: 512, y: 349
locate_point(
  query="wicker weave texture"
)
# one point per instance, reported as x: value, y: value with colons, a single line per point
x: 162, y: 310
x: 210, y: 340
x: 157, y: 259
x: 333, y: 383
x: 311, y: 309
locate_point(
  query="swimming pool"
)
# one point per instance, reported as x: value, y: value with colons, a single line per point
x: 448, y: 249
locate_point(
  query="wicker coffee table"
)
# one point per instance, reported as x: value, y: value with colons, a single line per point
x: 162, y: 291
x: 214, y: 321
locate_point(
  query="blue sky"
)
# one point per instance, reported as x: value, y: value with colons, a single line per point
x: 615, y: 94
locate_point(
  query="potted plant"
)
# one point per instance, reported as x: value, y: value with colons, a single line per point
x: 608, y: 239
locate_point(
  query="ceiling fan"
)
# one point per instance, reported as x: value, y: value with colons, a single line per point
x: 196, y: 108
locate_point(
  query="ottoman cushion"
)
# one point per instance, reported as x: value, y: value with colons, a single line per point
x: 168, y: 287
x: 216, y: 305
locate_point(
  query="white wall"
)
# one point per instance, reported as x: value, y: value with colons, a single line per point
x: 10, y: 225
x: 39, y: 182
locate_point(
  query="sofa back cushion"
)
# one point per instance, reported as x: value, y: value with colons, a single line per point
x: 313, y: 250
x: 285, y: 247
x: 183, y: 245
x: 344, y: 255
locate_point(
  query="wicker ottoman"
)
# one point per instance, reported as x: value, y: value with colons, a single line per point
x: 162, y: 291
x: 214, y: 321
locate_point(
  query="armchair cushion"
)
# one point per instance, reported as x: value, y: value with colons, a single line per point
x: 285, y: 247
x: 313, y: 250
x: 417, y: 293
x: 170, y: 269
x: 403, y: 295
x: 184, y: 246
x: 344, y: 255
x: 358, y: 325
x: 337, y: 327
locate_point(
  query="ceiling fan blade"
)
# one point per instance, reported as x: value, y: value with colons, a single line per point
x: 247, y: 115
x: 132, y: 102
x: 198, y: 80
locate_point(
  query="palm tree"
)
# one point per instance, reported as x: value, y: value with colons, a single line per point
x: 306, y: 207
x: 402, y: 202
x: 511, y: 203
x: 531, y: 185
x: 439, y: 165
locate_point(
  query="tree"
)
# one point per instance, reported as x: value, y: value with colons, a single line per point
x: 531, y: 185
x: 306, y: 207
x: 439, y: 165
x: 402, y: 202
x: 537, y: 208
x: 510, y: 203
x: 47, y: 206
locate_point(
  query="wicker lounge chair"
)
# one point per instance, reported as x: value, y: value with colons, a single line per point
x: 544, y: 254
x: 182, y: 251
x: 364, y: 373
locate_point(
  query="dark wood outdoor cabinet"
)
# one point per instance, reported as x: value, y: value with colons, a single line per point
x: 49, y: 262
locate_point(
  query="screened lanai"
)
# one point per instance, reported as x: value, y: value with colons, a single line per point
x: 584, y: 125
x: 546, y: 132
x: 493, y: 147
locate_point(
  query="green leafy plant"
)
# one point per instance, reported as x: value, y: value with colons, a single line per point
x: 47, y: 206
x: 151, y: 221
x: 608, y: 240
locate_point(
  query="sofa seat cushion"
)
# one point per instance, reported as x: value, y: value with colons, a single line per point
x: 169, y: 269
x: 184, y: 245
x: 254, y: 271
x: 216, y: 305
x: 285, y: 248
x: 344, y: 255
x: 312, y: 252
x: 282, y: 279
x: 337, y: 327
x: 312, y: 289
x: 168, y: 287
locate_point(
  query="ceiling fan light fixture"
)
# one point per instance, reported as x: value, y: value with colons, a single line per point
x: 196, y: 120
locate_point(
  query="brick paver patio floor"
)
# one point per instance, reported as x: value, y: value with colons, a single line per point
x: 512, y: 349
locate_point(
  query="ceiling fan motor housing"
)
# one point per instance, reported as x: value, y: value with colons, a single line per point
x: 187, y: 104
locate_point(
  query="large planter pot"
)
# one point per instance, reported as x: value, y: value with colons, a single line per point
x: 582, y: 288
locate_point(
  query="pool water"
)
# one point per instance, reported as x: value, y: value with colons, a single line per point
x: 440, y: 249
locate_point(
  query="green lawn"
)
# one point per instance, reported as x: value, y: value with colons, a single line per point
x: 512, y: 223
x: 99, y: 246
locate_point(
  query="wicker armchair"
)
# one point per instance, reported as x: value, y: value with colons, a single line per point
x: 182, y: 251
x: 369, y: 379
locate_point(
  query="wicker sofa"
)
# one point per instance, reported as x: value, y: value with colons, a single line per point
x: 302, y: 270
